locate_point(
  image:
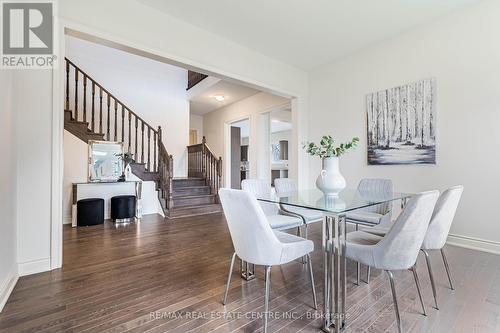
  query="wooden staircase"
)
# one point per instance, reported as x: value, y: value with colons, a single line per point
x: 92, y: 113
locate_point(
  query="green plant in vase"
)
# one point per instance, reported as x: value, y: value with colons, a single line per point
x: 330, y: 181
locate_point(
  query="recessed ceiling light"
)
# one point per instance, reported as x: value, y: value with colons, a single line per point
x: 219, y: 98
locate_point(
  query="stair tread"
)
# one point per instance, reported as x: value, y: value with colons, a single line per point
x: 215, y: 205
x: 195, y: 196
x: 188, y: 178
x: 193, y: 187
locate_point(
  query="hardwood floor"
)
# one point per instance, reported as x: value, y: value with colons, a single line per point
x: 159, y: 276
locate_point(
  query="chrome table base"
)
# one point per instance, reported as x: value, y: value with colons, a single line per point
x: 247, y: 270
x: 334, y: 268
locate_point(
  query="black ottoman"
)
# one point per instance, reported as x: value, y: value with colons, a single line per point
x: 90, y: 212
x: 123, y: 208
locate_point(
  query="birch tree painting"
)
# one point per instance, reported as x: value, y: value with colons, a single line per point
x: 402, y: 125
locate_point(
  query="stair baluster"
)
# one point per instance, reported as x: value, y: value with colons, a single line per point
x: 136, y: 151
x: 123, y: 124
x: 84, y: 97
x: 116, y: 120
x: 154, y: 151
x: 93, y: 107
x: 129, y: 130
x: 76, y: 95
x: 149, y: 148
x: 142, y: 142
x: 108, y: 136
x: 100, y: 110
x: 66, y: 107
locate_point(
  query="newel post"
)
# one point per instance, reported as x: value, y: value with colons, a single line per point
x: 170, y: 182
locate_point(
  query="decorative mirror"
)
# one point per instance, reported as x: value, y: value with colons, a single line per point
x: 105, y: 163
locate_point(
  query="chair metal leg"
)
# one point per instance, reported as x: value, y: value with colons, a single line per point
x: 431, y: 276
x: 417, y: 283
x: 447, y: 269
x: 358, y: 269
x: 358, y: 265
x: 395, y: 300
x: 368, y: 273
x: 266, y: 301
x: 229, y: 278
x: 311, y: 275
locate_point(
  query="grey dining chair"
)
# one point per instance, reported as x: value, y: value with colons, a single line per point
x: 284, y: 186
x: 255, y: 242
x: 438, y: 231
x: 399, y: 248
x: 277, y: 218
x: 374, y: 215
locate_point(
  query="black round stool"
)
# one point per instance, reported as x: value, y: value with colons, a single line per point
x: 123, y: 208
x: 89, y: 212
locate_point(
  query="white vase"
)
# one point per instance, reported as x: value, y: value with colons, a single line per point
x: 330, y: 181
x: 128, y: 172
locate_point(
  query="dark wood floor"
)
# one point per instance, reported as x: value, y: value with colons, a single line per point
x: 159, y: 276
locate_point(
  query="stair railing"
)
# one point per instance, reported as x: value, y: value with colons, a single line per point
x: 88, y: 101
x: 203, y: 163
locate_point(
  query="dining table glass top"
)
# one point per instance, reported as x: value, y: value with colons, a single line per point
x: 346, y: 201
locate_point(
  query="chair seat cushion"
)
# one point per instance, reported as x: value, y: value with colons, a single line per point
x: 294, y: 247
x: 283, y: 222
x: 378, y: 230
x: 366, y: 217
x: 310, y: 215
x: 359, y: 247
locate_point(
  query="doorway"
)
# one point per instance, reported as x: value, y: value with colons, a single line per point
x: 239, y: 146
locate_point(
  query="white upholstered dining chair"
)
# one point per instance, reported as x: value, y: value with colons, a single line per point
x: 399, y: 248
x: 255, y: 242
x: 374, y: 215
x: 287, y: 185
x: 438, y: 230
x: 278, y: 219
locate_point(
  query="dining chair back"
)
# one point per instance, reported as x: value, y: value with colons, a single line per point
x: 260, y: 187
x: 253, y: 239
x: 377, y: 186
x: 400, y: 247
x: 284, y: 185
x: 441, y: 220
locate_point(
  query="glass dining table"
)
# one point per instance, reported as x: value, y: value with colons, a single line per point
x: 334, y: 210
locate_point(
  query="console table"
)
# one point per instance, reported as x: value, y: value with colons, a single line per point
x: 105, y: 190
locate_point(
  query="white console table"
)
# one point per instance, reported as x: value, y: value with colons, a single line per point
x: 106, y: 190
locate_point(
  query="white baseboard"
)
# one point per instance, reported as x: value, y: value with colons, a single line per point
x: 474, y: 243
x: 6, y: 287
x: 33, y: 267
x: 67, y: 220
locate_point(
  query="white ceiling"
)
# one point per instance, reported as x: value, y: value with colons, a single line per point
x: 204, y: 101
x: 304, y: 33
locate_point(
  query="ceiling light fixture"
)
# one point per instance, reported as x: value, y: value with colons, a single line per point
x: 219, y: 98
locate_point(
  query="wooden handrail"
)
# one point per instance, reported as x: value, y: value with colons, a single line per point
x: 108, y: 93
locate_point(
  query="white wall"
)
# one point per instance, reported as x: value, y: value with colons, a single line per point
x: 462, y: 52
x: 214, y: 125
x: 33, y: 100
x: 154, y: 90
x: 196, y: 123
x: 76, y: 154
x: 8, y: 188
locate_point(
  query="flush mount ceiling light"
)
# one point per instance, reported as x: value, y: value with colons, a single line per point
x: 219, y: 98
